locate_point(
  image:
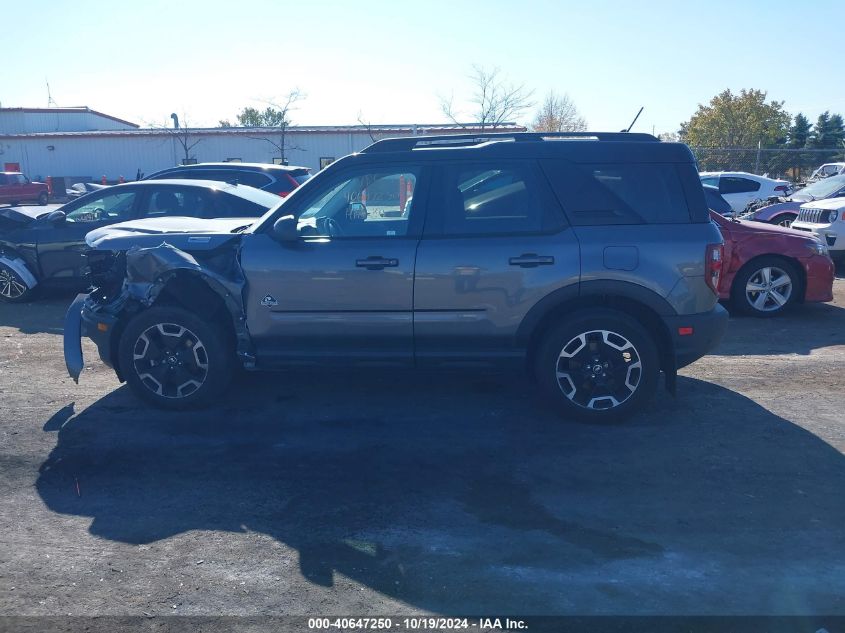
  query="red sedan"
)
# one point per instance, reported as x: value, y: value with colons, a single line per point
x: 768, y: 268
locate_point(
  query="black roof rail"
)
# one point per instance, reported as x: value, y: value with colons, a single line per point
x: 405, y: 143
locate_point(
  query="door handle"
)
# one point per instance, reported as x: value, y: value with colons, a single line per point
x: 376, y: 263
x: 531, y: 260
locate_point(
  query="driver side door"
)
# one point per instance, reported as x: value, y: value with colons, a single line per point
x: 343, y: 292
x: 61, y: 246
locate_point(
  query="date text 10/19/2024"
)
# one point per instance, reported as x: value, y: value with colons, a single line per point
x: 416, y: 624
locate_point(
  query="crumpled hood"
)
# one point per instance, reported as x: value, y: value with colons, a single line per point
x: 182, y: 232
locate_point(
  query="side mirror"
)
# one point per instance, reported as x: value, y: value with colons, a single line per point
x: 284, y: 229
x: 56, y: 217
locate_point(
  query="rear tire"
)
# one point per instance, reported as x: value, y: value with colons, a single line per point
x: 43, y: 198
x: 766, y: 287
x: 174, y: 360
x: 13, y: 289
x: 599, y: 366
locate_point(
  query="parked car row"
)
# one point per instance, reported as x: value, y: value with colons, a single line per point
x: 596, y: 263
x: 770, y: 268
x: 39, y: 248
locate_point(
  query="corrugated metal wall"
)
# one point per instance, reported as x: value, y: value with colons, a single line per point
x: 95, y: 156
x: 21, y: 122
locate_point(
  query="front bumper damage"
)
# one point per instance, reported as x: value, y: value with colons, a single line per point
x: 73, y: 338
x: 100, y: 316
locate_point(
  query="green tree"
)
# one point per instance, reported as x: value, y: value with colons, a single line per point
x: 270, y: 117
x: 828, y: 134
x: 799, y: 132
x: 275, y: 118
x: 742, y: 120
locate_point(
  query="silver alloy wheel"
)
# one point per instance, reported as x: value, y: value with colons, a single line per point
x: 11, y: 286
x: 170, y: 360
x: 786, y: 222
x: 768, y: 289
x: 599, y: 369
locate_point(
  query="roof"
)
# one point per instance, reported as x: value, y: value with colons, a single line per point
x: 743, y: 174
x: 234, y: 165
x: 371, y: 130
x: 252, y: 194
x: 77, y: 110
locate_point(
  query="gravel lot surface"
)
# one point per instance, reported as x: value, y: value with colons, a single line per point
x: 406, y: 493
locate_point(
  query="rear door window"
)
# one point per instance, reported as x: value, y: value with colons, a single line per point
x: 621, y: 193
x: 229, y: 206
x: 493, y: 198
x: 175, y: 201
x: 736, y: 184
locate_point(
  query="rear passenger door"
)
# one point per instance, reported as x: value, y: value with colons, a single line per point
x: 495, y: 243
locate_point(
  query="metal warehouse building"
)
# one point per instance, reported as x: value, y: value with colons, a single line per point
x: 80, y: 144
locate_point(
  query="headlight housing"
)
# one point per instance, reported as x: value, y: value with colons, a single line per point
x: 818, y: 247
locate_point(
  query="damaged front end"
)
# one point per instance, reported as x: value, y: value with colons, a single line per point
x: 206, y: 280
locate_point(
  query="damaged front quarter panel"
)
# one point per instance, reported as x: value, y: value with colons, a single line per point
x: 127, y: 282
x: 150, y: 270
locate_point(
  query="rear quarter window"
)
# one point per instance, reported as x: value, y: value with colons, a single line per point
x: 626, y: 193
x: 229, y: 206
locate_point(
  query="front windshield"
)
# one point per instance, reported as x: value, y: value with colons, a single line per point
x: 822, y: 188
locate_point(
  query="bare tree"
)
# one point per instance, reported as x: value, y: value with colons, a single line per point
x: 180, y: 133
x: 368, y: 126
x: 558, y: 114
x: 495, y: 100
x: 277, y: 116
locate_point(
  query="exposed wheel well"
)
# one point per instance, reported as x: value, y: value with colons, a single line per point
x: 776, y: 219
x: 645, y: 315
x: 190, y: 292
x: 791, y: 261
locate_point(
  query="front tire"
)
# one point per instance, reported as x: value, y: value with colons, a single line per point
x: 42, y: 198
x: 13, y: 289
x: 783, y: 220
x: 174, y: 360
x: 766, y: 287
x: 599, y: 365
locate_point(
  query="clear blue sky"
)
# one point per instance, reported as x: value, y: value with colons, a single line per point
x: 391, y: 59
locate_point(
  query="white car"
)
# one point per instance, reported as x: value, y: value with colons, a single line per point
x: 738, y: 188
x: 825, y: 218
x: 828, y: 169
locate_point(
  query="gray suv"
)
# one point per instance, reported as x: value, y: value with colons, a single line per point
x: 589, y: 259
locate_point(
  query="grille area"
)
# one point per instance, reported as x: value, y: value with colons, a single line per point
x: 815, y: 216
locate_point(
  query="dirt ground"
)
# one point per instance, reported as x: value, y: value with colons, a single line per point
x: 407, y: 493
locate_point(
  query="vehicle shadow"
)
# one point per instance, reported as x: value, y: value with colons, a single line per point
x: 46, y: 314
x: 467, y: 496
x: 801, y: 330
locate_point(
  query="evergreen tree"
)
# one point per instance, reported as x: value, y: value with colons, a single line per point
x: 799, y: 132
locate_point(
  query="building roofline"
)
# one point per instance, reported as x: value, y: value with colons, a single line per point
x: 74, y: 109
x: 421, y: 129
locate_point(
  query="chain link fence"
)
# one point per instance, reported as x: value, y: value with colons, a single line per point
x: 779, y: 162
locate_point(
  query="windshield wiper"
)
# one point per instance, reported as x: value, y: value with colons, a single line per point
x: 241, y: 229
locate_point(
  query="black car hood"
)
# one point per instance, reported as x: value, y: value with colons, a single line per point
x: 189, y: 234
x: 15, y: 218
